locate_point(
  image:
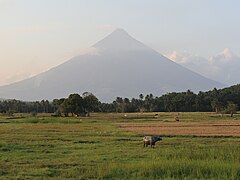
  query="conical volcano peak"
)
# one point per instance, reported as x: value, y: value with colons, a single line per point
x: 119, y: 40
x: 122, y: 67
x: 119, y: 31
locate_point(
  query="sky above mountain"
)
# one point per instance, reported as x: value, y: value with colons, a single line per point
x: 37, y: 35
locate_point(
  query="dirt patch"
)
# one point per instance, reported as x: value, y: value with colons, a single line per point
x: 211, y: 128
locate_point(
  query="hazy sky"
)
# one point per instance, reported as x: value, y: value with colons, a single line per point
x: 36, y: 35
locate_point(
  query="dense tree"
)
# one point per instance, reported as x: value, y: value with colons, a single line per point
x: 90, y: 103
x: 232, y: 108
x: 216, y: 105
x: 74, y: 104
x: 218, y: 100
x: 119, y: 104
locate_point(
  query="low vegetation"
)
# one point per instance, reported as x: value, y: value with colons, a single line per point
x: 99, y: 147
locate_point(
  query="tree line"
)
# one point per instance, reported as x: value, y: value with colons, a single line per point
x: 225, y: 100
x: 74, y: 104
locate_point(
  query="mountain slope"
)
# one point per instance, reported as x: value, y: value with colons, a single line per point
x: 120, y: 66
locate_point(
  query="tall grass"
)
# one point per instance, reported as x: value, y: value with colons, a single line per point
x: 98, y: 149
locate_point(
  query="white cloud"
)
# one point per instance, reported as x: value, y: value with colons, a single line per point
x: 222, y: 67
x: 224, y: 57
x: 183, y: 57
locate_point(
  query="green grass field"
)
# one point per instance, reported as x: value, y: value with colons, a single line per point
x: 95, y: 147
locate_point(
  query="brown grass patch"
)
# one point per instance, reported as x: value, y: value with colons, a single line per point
x: 211, y: 128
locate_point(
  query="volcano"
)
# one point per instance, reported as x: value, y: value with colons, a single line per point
x: 118, y: 66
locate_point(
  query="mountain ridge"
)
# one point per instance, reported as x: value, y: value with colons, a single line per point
x: 121, y: 66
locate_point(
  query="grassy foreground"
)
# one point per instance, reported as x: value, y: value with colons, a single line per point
x: 96, y: 148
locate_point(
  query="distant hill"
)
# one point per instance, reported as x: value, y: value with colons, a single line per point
x: 119, y: 65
